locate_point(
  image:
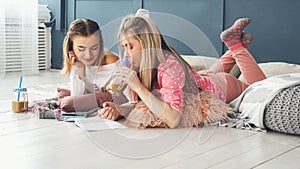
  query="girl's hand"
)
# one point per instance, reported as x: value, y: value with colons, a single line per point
x: 109, y: 111
x: 130, y: 77
x: 74, y: 61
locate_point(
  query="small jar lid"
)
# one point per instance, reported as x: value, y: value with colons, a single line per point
x: 17, y: 89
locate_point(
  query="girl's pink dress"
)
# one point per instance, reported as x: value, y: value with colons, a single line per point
x: 170, y: 89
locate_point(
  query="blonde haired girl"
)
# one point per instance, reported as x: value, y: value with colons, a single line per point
x: 165, y: 88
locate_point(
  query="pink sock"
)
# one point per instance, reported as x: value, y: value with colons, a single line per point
x: 246, y: 39
x: 232, y: 36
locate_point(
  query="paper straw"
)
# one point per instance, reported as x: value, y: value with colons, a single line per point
x: 20, y: 85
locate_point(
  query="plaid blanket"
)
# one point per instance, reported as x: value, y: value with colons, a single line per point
x: 251, y: 105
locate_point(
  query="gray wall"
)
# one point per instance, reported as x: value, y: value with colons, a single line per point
x: 205, y: 15
x: 274, y: 24
x: 107, y: 14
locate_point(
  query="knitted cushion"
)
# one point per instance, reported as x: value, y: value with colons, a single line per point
x: 283, y: 112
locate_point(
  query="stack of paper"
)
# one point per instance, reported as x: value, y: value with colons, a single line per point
x: 96, y: 123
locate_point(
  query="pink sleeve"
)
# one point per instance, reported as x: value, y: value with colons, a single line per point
x: 207, y: 85
x: 171, y: 80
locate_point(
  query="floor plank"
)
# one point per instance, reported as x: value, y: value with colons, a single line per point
x: 192, y: 146
x: 289, y: 159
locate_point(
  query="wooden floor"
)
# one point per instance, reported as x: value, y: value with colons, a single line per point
x: 41, y: 144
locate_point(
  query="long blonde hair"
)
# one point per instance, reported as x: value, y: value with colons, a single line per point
x: 80, y: 27
x: 154, y: 48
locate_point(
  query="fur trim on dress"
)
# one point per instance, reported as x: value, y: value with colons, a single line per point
x: 210, y: 109
x: 142, y: 117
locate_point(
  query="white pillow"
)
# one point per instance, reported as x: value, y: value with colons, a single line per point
x: 276, y: 68
x: 200, y: 62
x: 205, y: 62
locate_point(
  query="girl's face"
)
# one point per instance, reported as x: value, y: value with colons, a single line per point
x: 87, y: 49
x: 132, y: 51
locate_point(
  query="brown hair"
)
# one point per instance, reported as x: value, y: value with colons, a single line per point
x: 80, y: 27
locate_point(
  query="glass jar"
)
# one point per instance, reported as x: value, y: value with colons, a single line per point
x: 116, y: 85
x: 20, y: 104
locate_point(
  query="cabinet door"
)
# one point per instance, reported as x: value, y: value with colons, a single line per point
x: 108, y: 14
x: 191, y: 26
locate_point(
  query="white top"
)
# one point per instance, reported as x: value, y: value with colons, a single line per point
x: 100, y: 78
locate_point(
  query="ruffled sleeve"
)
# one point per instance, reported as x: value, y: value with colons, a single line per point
x: 82, y: 86
x: 77, y: 85
x: 171, y: 80
x: 207, y: 85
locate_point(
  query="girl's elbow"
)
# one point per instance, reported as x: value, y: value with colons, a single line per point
x: 174, y: 122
